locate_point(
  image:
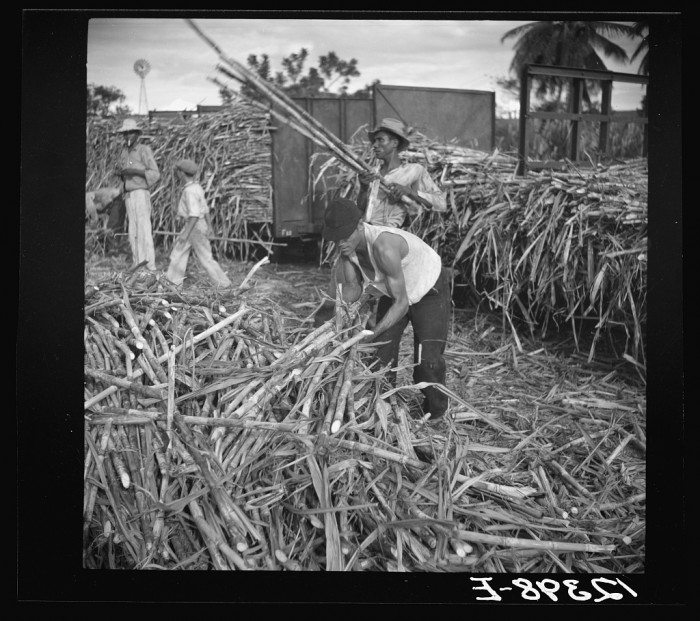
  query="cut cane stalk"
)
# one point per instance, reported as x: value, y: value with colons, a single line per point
x: 344, y: 391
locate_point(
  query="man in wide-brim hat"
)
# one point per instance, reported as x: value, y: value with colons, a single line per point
x: 138, y: 172
x: 410, y: 180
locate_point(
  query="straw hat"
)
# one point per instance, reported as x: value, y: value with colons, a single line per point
x: 187, y: 166
x: 395, y: 127
x: 129, y: 125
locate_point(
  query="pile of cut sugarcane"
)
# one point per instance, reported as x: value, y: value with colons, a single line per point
x: 565, y: 248
x: 232, y: 148
x: 225, y: 434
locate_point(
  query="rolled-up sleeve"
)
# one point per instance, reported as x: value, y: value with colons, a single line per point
x: 427, y: 188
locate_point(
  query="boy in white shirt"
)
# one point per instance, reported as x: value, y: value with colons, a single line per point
x: 195, y: 234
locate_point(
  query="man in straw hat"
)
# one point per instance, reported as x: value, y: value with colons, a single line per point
x: 407, y: 276
x: 388, y: 139
x: 139, y: 173
x: 194, y: 209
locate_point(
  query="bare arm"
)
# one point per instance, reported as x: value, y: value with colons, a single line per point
x: 346, y: 275
x: 387, y: 254
x: 430, y: 193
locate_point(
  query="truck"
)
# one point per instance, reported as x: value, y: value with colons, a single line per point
x: 461, y: 117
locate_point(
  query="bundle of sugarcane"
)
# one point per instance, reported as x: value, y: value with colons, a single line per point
x: 232, y: 148
x: 244, y: 440
x: 267, y: 96
x: 566, y: 247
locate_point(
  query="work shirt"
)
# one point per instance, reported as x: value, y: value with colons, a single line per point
x: 139, y: 156
x: 414, y: 176
x: 421, y: 266
x: 192, y: 202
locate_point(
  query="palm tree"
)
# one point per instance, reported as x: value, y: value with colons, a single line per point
x: 641, y: 29
x: 568, y: 44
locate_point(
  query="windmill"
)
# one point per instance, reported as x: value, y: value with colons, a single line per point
x: 141, y: 68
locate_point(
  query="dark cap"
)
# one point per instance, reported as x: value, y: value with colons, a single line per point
x: 187, y: 166
x: 340, y: 219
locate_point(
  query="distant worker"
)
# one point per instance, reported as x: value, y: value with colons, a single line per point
x: 139, y: 173
x: 408, y: 278
x: 110, y: 201
x: 98, y: 202
x: 194, y: 209
x: 412, y: 180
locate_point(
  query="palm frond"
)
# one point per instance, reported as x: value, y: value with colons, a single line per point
x: 613, y: 29
x: 641, y: 29
x: 609, y: 48
x: 643, y: 47
x: 594, y: 62
x: 520, y: 30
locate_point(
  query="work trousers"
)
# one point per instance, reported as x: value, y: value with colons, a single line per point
x: 138, y: 211
x: 430, y: 319
x: 199, y: 241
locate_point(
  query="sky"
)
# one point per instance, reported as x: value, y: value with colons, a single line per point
x: 465, y: 54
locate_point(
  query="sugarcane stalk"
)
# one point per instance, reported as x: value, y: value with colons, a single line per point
x: 254, y: 242
x: 222, y: 501
x: 568, y: 478
x: 92, y: 495
x: 513, y: 542
x: 214, y: 542
x: 337, y: 419
x: 140, y: 389
x: 124, y: 477
x: 170, y: 405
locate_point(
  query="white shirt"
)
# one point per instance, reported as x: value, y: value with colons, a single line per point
x: 421, y: 266
x: 192, y: 202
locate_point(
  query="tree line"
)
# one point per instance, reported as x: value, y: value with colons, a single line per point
x: 566, y: 43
